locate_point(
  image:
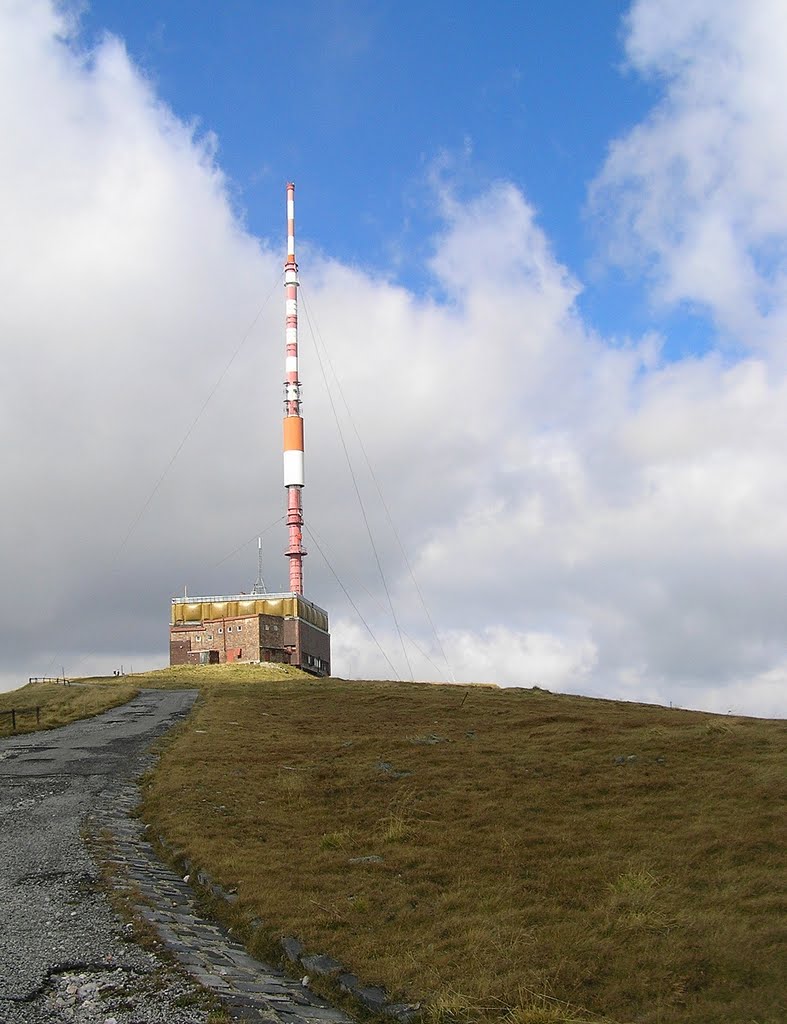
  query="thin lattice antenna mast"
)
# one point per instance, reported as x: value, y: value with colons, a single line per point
x: 259, y: 586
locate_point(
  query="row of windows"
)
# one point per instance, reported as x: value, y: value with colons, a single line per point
x: 209, y: 636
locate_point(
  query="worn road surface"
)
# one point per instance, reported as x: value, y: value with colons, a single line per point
x: 64, y: 954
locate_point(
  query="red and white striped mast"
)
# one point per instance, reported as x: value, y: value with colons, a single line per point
x: 293, y: 421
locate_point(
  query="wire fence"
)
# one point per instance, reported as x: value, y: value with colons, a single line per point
x: 14, y: 712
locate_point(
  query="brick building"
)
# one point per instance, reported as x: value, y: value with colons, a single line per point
x: 250, y: 627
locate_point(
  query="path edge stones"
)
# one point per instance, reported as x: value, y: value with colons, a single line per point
x: 292, y: 953
x: 142, y: 859
x: 120, y: 844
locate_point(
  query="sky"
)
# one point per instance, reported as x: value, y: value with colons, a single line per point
x: 543, y: 268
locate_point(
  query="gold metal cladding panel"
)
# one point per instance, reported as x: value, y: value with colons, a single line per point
x: 201, y: 611
x: 188, y: 613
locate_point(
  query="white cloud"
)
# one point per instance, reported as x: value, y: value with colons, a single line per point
x: 698, y: 190
x: 580, y: 514
x: 511, y: 657
x: 584, y: 498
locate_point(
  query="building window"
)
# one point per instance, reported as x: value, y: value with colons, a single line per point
x: 197, y: 639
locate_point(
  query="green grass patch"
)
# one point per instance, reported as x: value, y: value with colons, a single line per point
x: 505, y: 856
x: 61, y: 704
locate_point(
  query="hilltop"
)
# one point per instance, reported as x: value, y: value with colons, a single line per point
x: 498, y: 854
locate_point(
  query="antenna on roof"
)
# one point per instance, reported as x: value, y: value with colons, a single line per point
x: 259, y: 586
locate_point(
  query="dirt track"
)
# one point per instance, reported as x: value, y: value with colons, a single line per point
x: 64, y: 954
x: 59, y: 932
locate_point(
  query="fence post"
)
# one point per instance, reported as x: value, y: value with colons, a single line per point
x: 38, y: 715
x: 13, y: 720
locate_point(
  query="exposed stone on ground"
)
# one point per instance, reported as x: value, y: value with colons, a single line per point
x: 321, y: 964
x: 387, y: 769
x: 120, y: 997
x: 292, y: 948
x: 348, y: 982
x: 372, y: 997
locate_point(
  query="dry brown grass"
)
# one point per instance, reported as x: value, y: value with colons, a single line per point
x: 527, y: 877
x: 62, y: 704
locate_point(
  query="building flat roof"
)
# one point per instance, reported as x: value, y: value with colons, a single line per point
x: 194, y: 609
x: 240, y: 597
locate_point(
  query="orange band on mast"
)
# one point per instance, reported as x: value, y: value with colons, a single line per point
x: 293, y: 433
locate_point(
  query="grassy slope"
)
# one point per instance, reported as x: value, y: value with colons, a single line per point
x: 209, y: 676
x: 62, y: 704
x: 521, y: 864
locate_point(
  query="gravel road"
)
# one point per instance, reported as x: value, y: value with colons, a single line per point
x: 64, y: 954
